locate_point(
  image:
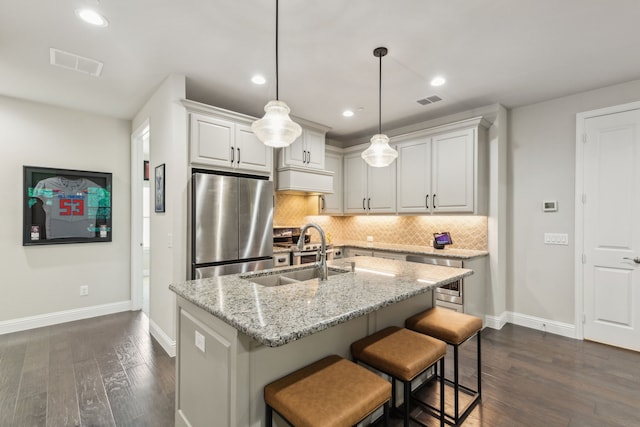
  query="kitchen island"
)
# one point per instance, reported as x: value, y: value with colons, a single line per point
x: 235, y: 335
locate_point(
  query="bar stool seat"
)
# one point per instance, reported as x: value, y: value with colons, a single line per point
x: 455, y: 329
x: 403, y: 355
x: 332, y: 392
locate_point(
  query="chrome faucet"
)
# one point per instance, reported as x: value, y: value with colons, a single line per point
x: 322, y: 264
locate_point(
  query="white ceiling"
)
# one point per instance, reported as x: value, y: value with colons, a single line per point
x: 513, y: 52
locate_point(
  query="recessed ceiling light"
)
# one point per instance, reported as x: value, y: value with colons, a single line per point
x: 92, y: 17
x: 258, y: 79
x: 438, y: 81
x: 347, y: 113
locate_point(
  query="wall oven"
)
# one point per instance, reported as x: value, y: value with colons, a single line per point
x: 451, y: 295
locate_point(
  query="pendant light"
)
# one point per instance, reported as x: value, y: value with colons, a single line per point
x: 379, y: 154
x: 276, y: 129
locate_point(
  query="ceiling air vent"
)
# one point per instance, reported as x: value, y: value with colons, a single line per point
x: 429, y: 100
x: 78, y: 63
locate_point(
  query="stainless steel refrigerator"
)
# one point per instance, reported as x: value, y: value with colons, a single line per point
x: 231, y: 221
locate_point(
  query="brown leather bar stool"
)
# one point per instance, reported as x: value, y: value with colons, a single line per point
x: 455, y: 329
x: 332, y: 392
x: 403, y: 355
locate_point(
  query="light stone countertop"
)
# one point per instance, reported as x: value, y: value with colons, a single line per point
x: 412, y: 249
x: 277, y: 315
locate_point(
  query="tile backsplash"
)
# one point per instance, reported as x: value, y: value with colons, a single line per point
x: 467, y: 232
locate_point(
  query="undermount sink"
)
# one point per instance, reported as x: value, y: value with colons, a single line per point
x: 290, y: 277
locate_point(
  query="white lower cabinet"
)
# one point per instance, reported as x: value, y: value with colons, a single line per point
x: 368, y: 189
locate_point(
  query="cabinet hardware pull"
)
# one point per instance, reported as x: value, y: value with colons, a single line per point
x: 233, y: 155
x: 308, y: 157
x: 304, y: 156
x: 426, y: 200
x: 363, y: 206
x: 238, y: 156
x: 369, y: 204
x: 434, y: 201
x: 636, y: 259
x: 322, y: 199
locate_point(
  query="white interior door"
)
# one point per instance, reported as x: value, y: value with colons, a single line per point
x: 611, y: 207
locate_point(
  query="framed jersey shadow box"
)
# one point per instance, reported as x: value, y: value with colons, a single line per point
x: 66, y: 206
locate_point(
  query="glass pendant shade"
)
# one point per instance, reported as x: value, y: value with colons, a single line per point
x: 276, y: 129
x: 379, y: 154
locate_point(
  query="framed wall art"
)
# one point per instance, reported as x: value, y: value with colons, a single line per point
x: 66, y: 206
x: 159, y: 191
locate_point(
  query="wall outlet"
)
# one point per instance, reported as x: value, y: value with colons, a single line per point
x: 200, y: 343
x: 369, y: 238
x: 84, y: 290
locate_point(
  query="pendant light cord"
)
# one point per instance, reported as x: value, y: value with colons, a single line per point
x: 277, y: 50
x: 380, y: 99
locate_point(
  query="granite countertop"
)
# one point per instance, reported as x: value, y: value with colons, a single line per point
x: 412, y: 249
x: 277, y: 315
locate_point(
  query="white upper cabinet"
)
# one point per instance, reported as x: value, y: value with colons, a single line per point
x: 224, y: 140
x: 453, y: 171
x: 368, y: 189
x: 443, y: 170
x: 331, y: 204
x: 306, y: 151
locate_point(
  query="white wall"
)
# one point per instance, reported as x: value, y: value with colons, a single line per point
x: 41, y: 280
x: 168, y: 145
x: 541, y: 158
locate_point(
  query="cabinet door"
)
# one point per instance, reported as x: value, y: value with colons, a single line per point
x: 251, y: 153
x: 453, y: 171
x: 314, y: 144
x: 296, y: 153
x: 332, y: 203
x: 212, y: 140
x: 355, y: 184
x: 414, y: 176
x: 381, y: 189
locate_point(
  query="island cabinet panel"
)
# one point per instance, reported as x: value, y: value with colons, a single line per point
x: 226, y: 382
x: 208, y: 351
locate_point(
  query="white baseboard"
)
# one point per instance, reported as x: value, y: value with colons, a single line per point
x: 558, y: 328
x: 41, y: 320
x: 495, y: 322
x: 553, y: 327
x: 168, y: 344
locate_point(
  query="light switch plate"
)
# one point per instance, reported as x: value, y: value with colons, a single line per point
x: 200, y: 343
x: 556, y: 239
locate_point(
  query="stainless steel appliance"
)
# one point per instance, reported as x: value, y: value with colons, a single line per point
x: 287, y: 237
x: 231, y: 222
x: 451, y: 295
x: 309, y: 254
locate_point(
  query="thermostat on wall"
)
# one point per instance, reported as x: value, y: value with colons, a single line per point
x: 550, y: 206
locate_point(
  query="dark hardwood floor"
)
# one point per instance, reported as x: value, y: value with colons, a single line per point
x: 535, y: 379
x: 107, y: 371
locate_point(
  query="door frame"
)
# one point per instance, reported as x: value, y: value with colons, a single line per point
x: 137, y: 174
x: 579, y: 206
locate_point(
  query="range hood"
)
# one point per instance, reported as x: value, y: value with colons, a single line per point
x: 299, y: 180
